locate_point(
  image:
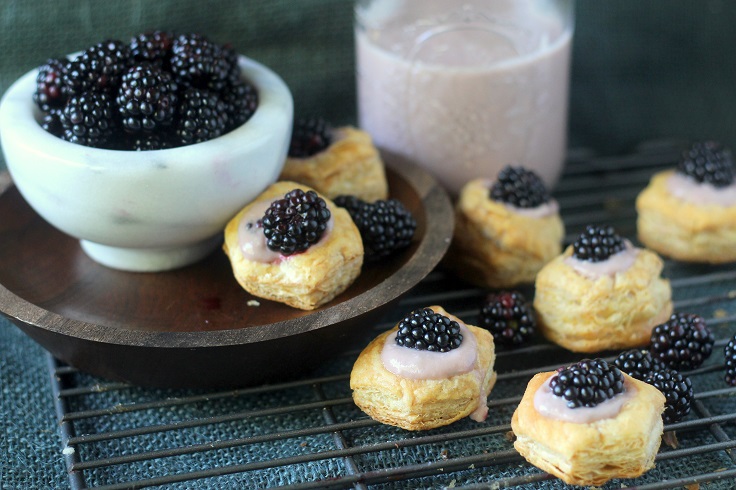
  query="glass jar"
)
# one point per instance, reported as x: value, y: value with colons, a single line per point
x: 463, y: 88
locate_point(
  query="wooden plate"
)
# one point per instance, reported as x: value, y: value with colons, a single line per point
x: 194, y: 327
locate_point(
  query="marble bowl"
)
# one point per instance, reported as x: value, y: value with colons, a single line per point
x: 148, y: 210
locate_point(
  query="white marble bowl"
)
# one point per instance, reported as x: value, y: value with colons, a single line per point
x: 148, y: 210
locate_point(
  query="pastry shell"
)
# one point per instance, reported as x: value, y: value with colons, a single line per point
x: 421, y: 404
x: 591, y: 453
x: 351, y: 165
x: 494, y: 246
x: 306, y: 280
x: 609, y: 312
x: 683, y: 230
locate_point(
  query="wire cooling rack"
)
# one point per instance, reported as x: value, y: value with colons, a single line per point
x: 308, y: 434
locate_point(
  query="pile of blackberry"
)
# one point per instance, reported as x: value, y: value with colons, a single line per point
x: 423, y: 329
x: 385, y: 226
x: 508, y: 316
x: 160, y: 90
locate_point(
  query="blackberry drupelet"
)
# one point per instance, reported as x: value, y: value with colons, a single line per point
x: 294, y: 223
x: 197, y: 62
x: 508, y: 316
x: 152, y: 47
x: 678, y: 391
x: 50, y: 93
x: 730, y: 361
x: 683, y: 342
x: 519, y: 187
x: 638, y: 363
x: 309, y: 136
x: 597, y: 243
x: 423, y: 329
x: 709, y: 162
x: 241, y: 101
x: 385, y: 226
x: 146, y: 99
x: 88, y: 119
x: 201, y: 116
x: 587, y: 383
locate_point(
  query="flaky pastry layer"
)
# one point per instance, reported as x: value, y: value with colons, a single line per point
x: 305, y: 280
x: 592, y: 453
x: 495, y: 247
x: 421, y: 404
x: 682, y: 230
x: 610, y: 312
x: 351, y: 165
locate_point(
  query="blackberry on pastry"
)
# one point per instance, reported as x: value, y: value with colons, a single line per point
x: 294, y: 246
x: 589, y: 423
x: 335, y: 160
x: 601, y: 293
x: 430, y: 370
x: 689, y: 213
x: 505, y: 229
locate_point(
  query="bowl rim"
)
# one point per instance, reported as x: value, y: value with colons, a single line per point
x: 20, y: 116
x: 430, y: 249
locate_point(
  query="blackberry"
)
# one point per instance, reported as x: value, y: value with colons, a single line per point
x: 683, y: 342
x: 507, y: 315
x: 638, y: 363
x: 677, y: 390
x: 146, y: 98
x: 152, y: 47
x: 52, y: 122
x: 197, y: 62
x: 385, y: 226
x: 708, y: 162
x: 88, y: 119
x: 597, y: 243
x: 98, y: 68
x: 50, y: 93
x: 309, y: 136
x: 519, y: 187
x: 730, y: 354
x: 241, y: 101
x: 587, y: 383
x: 201, y: 116
x: 423, y: 329
x: 147, y: 142
x: 294, y: 223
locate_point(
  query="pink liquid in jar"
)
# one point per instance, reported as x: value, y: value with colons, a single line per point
x: 465, y: 88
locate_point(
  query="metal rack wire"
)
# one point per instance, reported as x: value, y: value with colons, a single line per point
x: 308, y: 434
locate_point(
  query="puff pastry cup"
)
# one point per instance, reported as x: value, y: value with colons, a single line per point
x: 350, y: 165
x: 684, y: 230
x: 591, y: 453
x: 421, y: 404
x: 305, y: 280
x: 494, y: 246
x: 610, y: 312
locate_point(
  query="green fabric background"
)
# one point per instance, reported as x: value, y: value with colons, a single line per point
x: 641, y: 70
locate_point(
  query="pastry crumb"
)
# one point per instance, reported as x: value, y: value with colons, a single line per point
x: 732, y: 294
x: 68, y: 451
x: 693, y: 486
x: 253, y: 302
x: 720, y: 313
x: 510, y: 436
x: 670, y: 438
x: 445, y: 454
